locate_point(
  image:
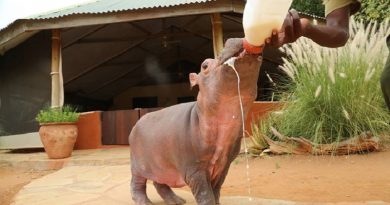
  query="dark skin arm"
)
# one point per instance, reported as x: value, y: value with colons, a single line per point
x: 333, y: 34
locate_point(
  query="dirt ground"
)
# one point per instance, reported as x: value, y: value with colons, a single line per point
x: 353, y: 178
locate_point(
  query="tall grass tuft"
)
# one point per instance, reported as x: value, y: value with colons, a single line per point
x: 335, y: 94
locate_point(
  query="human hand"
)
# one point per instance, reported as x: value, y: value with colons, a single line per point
x: 293, y: 28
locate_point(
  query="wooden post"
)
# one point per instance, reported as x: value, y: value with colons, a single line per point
x: 217, y: 33
x: 56, y: 85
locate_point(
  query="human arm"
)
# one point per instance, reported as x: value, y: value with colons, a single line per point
x: 336, y: 31
x: 333, y: 34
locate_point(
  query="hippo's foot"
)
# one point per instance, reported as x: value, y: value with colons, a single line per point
x: 168, y: 195
x: 138, y: 191
x: 143, y: 202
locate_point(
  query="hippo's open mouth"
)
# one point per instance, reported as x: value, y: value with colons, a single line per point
x: 230, y: 62
x: 236, y: 57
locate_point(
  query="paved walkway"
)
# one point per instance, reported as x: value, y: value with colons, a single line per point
x: 119, y: 155
x: 100, y: 177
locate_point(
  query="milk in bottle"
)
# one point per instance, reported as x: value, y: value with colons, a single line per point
x: 261, y: 17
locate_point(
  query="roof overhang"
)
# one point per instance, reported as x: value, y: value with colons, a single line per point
x: 22, y: 29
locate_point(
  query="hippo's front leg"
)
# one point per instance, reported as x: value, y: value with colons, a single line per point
x: 217, y: 185
x: 200, y: 185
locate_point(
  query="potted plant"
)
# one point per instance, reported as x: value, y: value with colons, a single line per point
x: 58, y: 131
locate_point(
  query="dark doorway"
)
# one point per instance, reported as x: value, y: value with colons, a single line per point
x: 145, y: 102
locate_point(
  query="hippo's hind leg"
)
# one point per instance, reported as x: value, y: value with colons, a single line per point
x: 138, y: 190
x: 168, y: 195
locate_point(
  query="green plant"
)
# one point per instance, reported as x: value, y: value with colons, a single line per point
x: 377, y: 10
x: 314, y: 7
x: 64, y: 114
x: 334, y: 93
x: 371, y: 10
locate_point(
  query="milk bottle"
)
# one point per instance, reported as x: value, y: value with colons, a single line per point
x: 261, y: 17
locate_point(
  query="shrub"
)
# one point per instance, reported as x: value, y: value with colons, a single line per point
x: 64, y: 114
x: 334, y: 94
x: 371, y: 10
x: 314, y: 7
x: 374, y: 10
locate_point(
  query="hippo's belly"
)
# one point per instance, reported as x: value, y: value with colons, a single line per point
x: 171, y: 178
x: 162, y: 173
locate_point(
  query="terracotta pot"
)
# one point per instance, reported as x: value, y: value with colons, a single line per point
x: 58, y: 139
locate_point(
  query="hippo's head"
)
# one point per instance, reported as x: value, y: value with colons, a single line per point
x: 218, y: 82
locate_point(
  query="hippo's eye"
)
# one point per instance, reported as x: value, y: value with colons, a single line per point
x: 205, y: 65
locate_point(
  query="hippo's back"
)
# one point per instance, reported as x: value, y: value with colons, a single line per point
x: 166, y: 120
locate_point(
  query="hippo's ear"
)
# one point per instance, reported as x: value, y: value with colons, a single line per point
x: 193, y: 79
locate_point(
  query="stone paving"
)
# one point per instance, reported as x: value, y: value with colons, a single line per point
x: 39, y: 161
x: 103, y: 178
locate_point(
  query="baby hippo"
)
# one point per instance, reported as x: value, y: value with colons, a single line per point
x: 194, y: 143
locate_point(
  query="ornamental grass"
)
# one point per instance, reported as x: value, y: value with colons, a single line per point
x: 333, y: 93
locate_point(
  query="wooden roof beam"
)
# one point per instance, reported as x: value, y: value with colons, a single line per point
x: 133, y: 84
x: 201, y: 35
x: 96, y: 65
x: 148, y: 37
x: 72, y: 42
x: 232, y: 19
x: 140, y: 28
x: 122, y: 63
x: 195, y: 19
x: 116, y: 78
